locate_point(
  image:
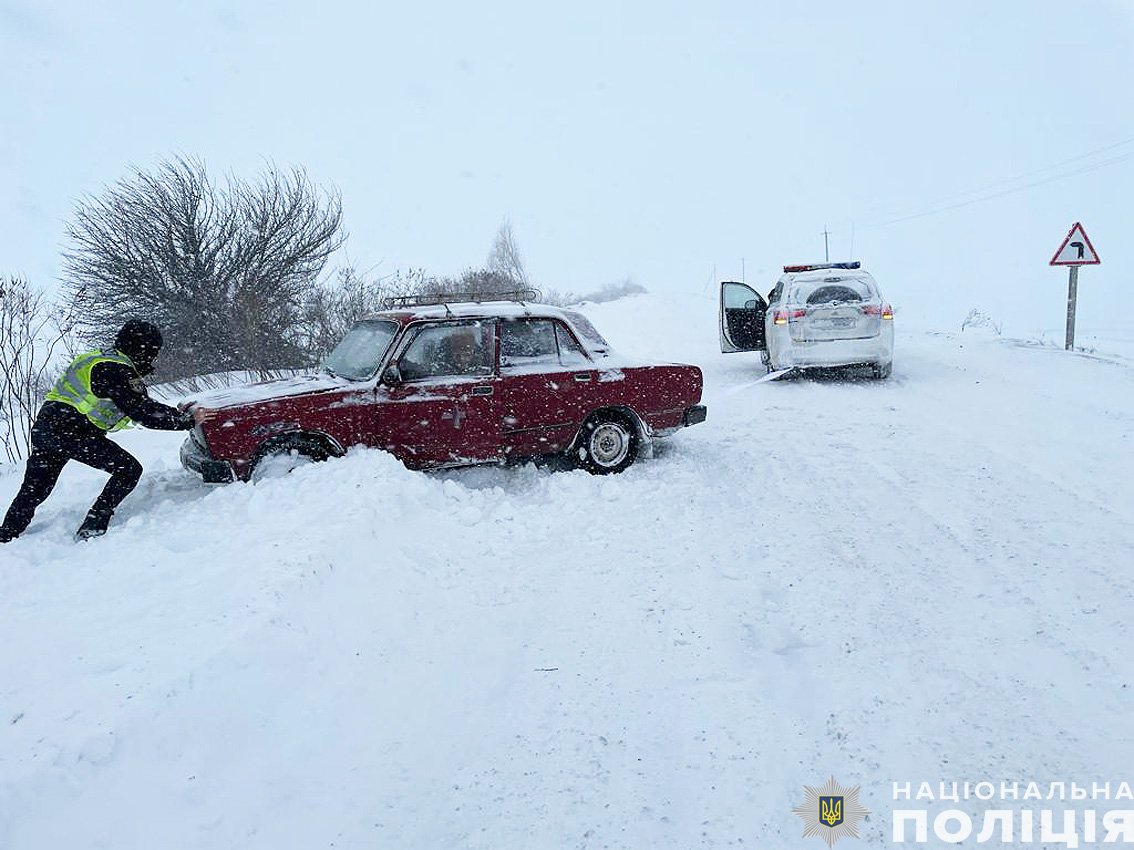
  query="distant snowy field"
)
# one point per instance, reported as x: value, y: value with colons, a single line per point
x: 925, y: 579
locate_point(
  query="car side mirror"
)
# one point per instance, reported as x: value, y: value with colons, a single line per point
x: 392, y: 375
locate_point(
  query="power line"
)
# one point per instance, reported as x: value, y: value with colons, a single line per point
x: 984, y: 194
x: 1034, y: 171
x: 1085, y: 169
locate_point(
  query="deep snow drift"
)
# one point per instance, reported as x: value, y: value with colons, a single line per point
x: 924, y: 579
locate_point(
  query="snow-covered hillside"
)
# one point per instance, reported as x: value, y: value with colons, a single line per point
x: 923, y: 579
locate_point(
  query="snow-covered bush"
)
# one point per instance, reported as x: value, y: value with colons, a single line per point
x: 608, y: 292
x: 32, y: 336
x: 979, y: 319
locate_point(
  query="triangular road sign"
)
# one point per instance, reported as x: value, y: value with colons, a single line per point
x: 1076, y: 249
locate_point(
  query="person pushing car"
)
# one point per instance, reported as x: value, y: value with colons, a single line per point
x: 100, y: 391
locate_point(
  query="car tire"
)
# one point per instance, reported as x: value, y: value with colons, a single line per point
x: 882, y: 372
x: 277, y: 458
x: 608, y: 444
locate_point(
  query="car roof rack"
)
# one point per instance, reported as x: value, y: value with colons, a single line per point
x: 810, y: 267
x: 431, y: 299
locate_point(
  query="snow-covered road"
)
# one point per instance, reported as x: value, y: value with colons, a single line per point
x: 922, y: 579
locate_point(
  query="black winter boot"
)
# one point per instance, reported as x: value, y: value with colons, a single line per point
x: 7, y: 536
x: 93, y: 526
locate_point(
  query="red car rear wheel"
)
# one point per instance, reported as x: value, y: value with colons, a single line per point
x: 608, y: 444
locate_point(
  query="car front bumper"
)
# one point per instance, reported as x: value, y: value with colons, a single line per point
x: 196, y: 458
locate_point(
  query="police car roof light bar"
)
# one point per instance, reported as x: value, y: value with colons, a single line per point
x: 810, y: 267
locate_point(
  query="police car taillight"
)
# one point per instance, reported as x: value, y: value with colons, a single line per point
x: 782, y: 317
x: 883, y: 310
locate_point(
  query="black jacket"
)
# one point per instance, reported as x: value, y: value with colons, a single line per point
x: 124, y: 387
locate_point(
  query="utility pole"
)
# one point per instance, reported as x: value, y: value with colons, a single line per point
x: 826, y: 249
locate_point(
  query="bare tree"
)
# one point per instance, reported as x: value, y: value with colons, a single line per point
x: 332, y: 308
x: 225, y: 272
x: 503, y: 272
x: 32, y: 333
x: 480, y: 281
x: 505, y: 261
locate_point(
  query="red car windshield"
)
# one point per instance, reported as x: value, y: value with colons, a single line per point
x: 356, y: 358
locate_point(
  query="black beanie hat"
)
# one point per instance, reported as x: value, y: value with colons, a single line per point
x: 139, y: 340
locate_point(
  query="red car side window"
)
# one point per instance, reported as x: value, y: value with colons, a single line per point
x: 538, y: 344
x: 444, y: 351
x: 571, y: 353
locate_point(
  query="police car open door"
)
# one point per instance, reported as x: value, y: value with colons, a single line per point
x: 742, y: 318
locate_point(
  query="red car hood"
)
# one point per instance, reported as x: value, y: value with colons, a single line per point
x: 270, y: 390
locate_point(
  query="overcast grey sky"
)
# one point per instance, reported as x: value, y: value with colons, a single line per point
x: 652, y: 140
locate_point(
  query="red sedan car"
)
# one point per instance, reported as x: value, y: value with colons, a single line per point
x: 451, y: 384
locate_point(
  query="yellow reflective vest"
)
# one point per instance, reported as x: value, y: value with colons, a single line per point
x: 74, y: 388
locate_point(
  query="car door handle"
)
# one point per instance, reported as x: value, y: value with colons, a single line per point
x: 482, y: 390
x: 582, y: 377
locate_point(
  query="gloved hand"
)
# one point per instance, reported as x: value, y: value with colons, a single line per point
x: 200, y: 414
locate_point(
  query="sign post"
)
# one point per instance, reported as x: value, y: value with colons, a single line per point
x: 1075, y: 251
x: 1072, y: 296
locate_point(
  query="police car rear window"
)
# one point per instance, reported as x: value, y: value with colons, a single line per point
x: 832, y: 293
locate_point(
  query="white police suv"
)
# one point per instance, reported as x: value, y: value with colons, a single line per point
x: 821, y: 315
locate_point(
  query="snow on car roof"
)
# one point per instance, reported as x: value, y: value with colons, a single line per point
x: 587, y: 333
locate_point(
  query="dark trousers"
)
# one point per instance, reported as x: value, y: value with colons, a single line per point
x: 50, y: 453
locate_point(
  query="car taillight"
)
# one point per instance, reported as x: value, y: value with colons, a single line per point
x: 781, y: 317
x: 882, y: 310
